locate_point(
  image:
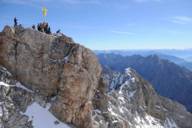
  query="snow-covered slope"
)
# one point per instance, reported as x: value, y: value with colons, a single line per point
x: 42, y: 118
x: 132, y: 103
x: 20, y: 107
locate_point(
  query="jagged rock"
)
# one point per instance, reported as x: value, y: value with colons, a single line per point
x: 21, y: 107
x: 13, y: 101
x: 132, y: 102
x: 53, y: 67
x: 168, y: 79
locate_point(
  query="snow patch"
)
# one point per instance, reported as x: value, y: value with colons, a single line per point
x: 53, y: 98
x: 121, y: 109
x: 131, y: 94
x: 18, y: 85
x: 1, y: 111
x: 147, y: 122
x: 66, y: 59
x: 4, y: 84
x: 97, y: 111
x: 112, y: 112
x: 169, y: 123
x: 6, y: 71
x: 115, y: 121
x: 42, y: 118
x: 133, y: 80
x: 128, y: 71
x: 157, y: 107
x: 126, y: 83
x: 122, y: 99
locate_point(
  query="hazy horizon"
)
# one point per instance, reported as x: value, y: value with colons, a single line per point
x: 144, y: 49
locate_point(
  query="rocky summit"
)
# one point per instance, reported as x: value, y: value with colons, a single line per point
x: 49, y: 81
x: 54, y: 67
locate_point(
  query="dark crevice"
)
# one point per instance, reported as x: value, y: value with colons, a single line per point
x: 67, y: 51
x: 15, y: 55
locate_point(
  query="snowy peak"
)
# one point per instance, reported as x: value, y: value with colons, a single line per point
x: 133, y: 103
x: 168, y: 79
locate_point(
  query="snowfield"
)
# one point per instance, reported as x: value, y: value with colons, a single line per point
x: 42, y: 118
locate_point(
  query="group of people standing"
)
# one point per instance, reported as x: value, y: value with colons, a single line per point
x: 42, y: 27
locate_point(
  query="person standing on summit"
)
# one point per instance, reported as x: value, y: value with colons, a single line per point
x: 15, y: 22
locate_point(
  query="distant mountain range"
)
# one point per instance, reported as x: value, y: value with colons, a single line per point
x: 184, y: 54
x: 182, y: 58
x: 168, y: 78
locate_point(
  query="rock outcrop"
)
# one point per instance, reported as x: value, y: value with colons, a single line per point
x: 54, y: 67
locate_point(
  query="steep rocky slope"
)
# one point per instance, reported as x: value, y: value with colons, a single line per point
x: 23, y: 108
x: 54, y: 67
x: 131, y: 102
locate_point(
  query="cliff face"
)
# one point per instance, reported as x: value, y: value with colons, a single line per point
x: 54, y: 67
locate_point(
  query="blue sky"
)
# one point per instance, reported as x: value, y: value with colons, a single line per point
x: 110, y: 24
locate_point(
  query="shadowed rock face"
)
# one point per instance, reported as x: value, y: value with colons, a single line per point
x: 53, y: 67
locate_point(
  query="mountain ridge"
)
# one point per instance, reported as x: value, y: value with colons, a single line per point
x: 166, y: 77
x: 181, y: 60
x: 134, y: 103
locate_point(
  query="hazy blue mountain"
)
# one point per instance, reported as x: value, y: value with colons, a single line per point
x: 181, y: 62
x: 169, y: 79
x: 185, y: 53
x: 182, y: 58
x: 189, y: 58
